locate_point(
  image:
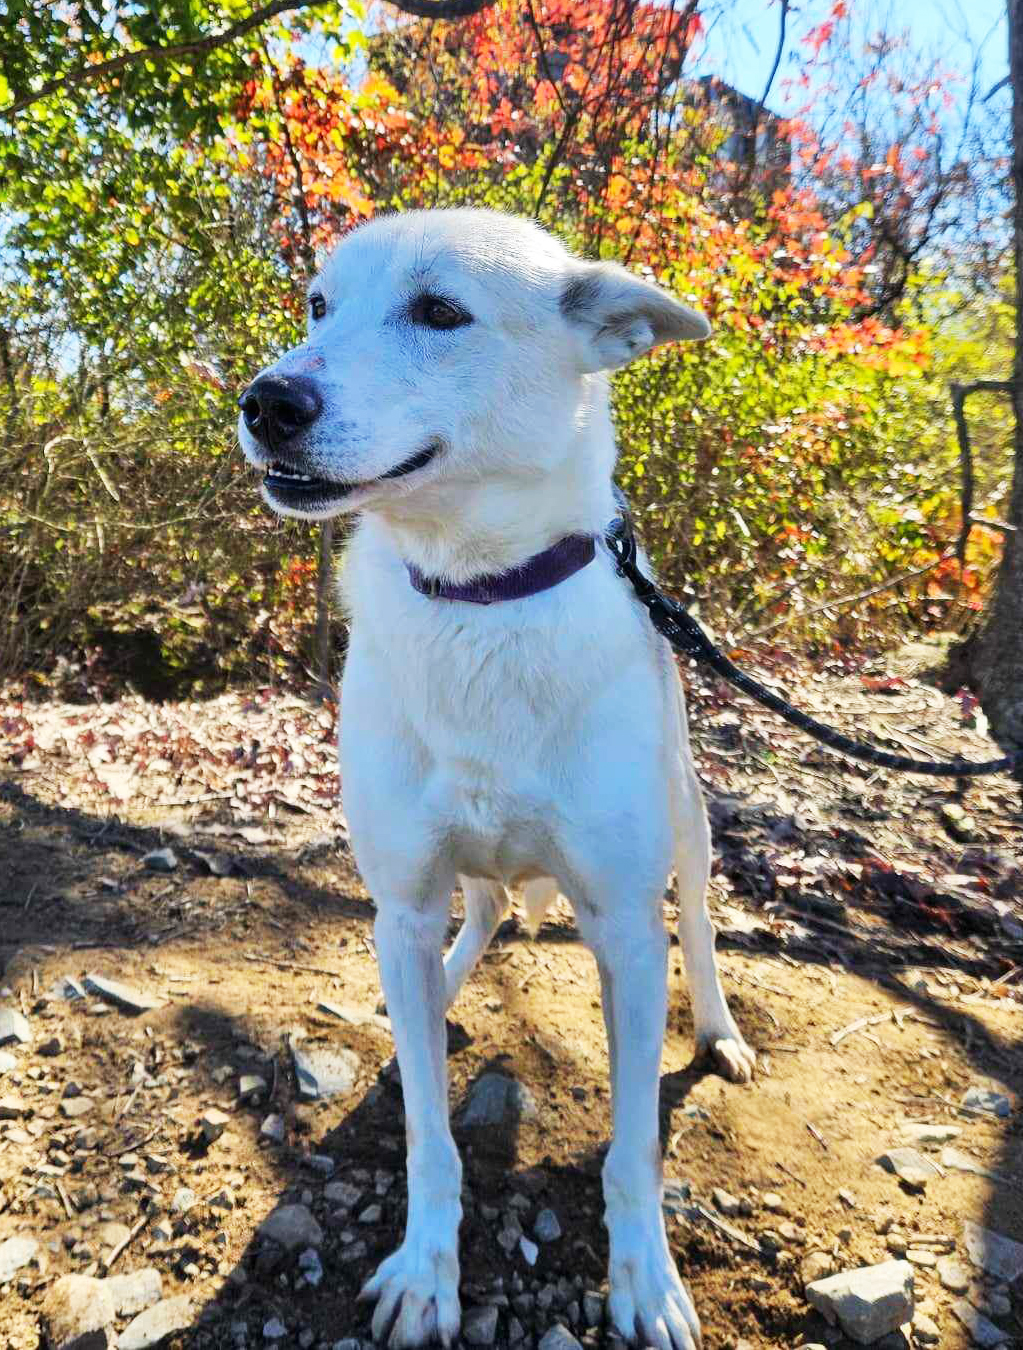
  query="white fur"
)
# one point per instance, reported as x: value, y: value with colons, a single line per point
x: 539, y: 742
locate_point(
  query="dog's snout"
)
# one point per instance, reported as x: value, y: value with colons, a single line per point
x: 277, y: 407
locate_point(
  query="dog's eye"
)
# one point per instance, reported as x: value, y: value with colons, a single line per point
x: 317, y: 306
x: 433, y: 312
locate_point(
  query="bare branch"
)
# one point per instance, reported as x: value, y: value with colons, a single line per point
x: 778, y: 52
x: 849, y: 599
x: 995, y: 88
x: 429, y: 9
x: 442, y: 9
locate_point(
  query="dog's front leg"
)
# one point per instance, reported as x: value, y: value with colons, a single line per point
x: 417, y: 1287
x: 648, y: 1302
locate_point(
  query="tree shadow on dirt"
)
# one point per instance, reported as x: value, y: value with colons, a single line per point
x: 365, y: 1141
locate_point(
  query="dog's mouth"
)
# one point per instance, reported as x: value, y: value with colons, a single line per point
x: 290, y: 486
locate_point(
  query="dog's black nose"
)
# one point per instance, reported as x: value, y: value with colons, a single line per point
x: 277, y: 407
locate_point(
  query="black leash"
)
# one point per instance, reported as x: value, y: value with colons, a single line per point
x: 686, y: 636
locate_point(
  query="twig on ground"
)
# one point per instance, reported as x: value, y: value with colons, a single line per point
x: 292, y: 965
x: 125, y: 1241
x: 130, y: 1148
x: 858, y: 1026
x: 729, y: 1230
x: 789, y: 1173
x: 819, y: 1137
x: 69, y: 1209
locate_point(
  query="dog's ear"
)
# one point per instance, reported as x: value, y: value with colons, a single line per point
x: 618, y: 316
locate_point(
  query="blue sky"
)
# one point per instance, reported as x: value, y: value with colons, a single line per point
x: 741, y: 45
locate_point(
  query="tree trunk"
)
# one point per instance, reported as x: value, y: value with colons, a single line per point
x: 997, y: 662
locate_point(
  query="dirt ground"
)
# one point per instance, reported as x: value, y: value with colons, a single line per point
x: 841, y: 894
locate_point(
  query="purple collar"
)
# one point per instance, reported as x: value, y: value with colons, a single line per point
x: 536, y: 574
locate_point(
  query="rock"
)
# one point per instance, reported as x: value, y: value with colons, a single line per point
x: 772, y: 1200
x: 996, y: 1255
x: 110, y: 1234
x: 272, y: 1128
x: 867, y: 1303
x: 216, y: 864
x: 530, y: 1251
x: 311, y: 1267
x: 726, y: 1204
x: 372, y: 1214
x: 78, y: 1314
x: 292, y: 1226
x: 479, y: 1325
x: 985, y: 1100
x: 52, y: 1047
x: 911, y: 1167
x: 151, y: 1326
x: 7, y: 1062
x: 12, y: 1106
x: 76, y: 1107
x: 897, y: 1244
x: 496, y: 1099
x: 675, y: 1197
x: 558, y: 1338
x: 816, y: 1266
x: 251, y: 1086
x: 920, y: 1256
x: 14, y: 1027
x: 546, y: 1228
x: 124, y: 995
x: 324, y: 1072
x: 355, y: 1252
x: 958, y: 1161
x: 847, y: 1198
x: 356, y: 1017
x: 274, y: 1329
x: 135, y: 1292
x: 343, y: 1193
x: 160, y: 860
x: 925, y: 1329
x: 995, y: 1304
x: 953, y: 1276
x: 183, y: 1200
x: 213, y: 1123
x: 982, y: 1331
x: 321, y: 1163
x: 15, y: 1253
x: 593, y: 1308
x: 924, y: 1135
x: 66, y: 987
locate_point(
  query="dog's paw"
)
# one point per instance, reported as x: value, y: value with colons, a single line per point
x: 648, y: 1303
x: 732, y: 1057
x: 730, y: 1054
x: 416, y: 1290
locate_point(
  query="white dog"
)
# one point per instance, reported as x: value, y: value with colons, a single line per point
x: 509, y: 715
